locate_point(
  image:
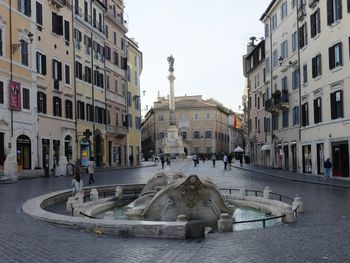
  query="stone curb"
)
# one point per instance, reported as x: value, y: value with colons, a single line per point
x: 321, y: 182
x: 124, y: 228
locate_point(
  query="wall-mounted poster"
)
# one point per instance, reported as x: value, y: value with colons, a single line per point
x: 14, y: 95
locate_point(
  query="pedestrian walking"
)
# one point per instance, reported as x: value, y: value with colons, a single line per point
x: 213, y: 158
x: 91, y: 170
x: 229, y: 159
x: 77, y: 184
x: 241, y: 159
x: 225, y: 159
x: 131, y: 160
x: 195, y: 159
x: 162, y: 160
x: 327, y: 168
x: 168, y: 160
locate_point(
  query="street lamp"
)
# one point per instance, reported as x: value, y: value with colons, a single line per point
x: 16, y: 46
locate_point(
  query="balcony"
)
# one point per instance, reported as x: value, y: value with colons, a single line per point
x: 118, y: 19
x: 60, y: 3
x: 312, y: 3
x: 279, y: 101
x: 118, y: 131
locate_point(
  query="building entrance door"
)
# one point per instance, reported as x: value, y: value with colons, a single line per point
x: 286, y: 157
x: 24, y: 152
x: 293, y: 149
x: 340, y: 157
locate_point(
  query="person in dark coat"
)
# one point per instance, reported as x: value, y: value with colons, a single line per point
x: 327, y: 168
x: 162, y: 160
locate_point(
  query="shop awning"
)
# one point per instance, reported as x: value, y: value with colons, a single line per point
x: 266, y: 147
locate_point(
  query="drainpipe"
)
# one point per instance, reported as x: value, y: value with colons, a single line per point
x: 92, y: 85
x: 299, y: 73
x: 11, y: 65
x: 271, y: 81
x: 75, y: 85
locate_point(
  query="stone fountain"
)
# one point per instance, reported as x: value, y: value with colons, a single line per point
x: 168, y: 196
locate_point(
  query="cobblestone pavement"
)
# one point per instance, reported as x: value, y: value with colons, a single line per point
x: 320, y: 235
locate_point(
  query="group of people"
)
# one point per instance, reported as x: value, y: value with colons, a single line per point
x: 227, y: 159
x: 164, y: 159
x: 77, y: 182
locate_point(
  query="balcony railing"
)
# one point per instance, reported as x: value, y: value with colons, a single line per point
x: 61, y: 3
x: 118, y: 18
x: 279, y: 101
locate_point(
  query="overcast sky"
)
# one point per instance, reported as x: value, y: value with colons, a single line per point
x: 207, y: 40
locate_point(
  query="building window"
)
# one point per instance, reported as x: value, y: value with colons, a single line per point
x: 184, y: 135
x: 337, y: 105
x: 1, y: 92
x: 116, y: 58
x: 305, y: 73
x: 67, y: 73
x: 196, y: 116
x: 274, y: 21
x: 39, y: 13
x: 108, y: 53
x: 56, y: 73
x: 284, y: 83
x: 208, y: 134
x: 87, y: 74
x: 266, y: 124
x: 40, y: 63
x: 129, y: 99
x: 305, y: 114
x: 161, y: 118
x: 89, y: 112
x: 196, y: 135
x: 275, y: 122
x: 161, y: 136
x: 335, y: 56
x: 295, y: 79
x: 41, y: 101
x: 317, y: 110
x: 316, y: 66
x: 259, y: 126
x: 69, y: 109
x: 315, y: 23
x: 1, y: 43
x: 294, y: 41
x: 334, y: 11
x: 24, y: 53
x: 274, y: 59
x: 26, y: 99
x: 57, y: 24
x: 256, y: 123
x: 98, y: 79
x: 285, y: 118
x: 296, y: 115
x: 284, y: 10
x: 57, y: 107
x: 24, y: 6
x: 303, y: 36
x: 114, y: 38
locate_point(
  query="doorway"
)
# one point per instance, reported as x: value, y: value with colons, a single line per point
x: 46, y: 155
x: 320, y: 158
x: 109, y: 153
x: 98, y: 150
x: 286, y: 157
x: 68, y: 147
x: 340, y: 157
x: 293, y: 149
x: 24, y: 152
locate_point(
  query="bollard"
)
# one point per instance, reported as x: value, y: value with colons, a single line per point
x: 242, y: 192
x: 225, y: 223
x: 298, y: 205
x: 119, y: 192
x: 267, y: 192
x: 181, y: 218
x: 94, y: 194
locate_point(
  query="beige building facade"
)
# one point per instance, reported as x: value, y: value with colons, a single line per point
x: 202, y: 124
x: 307, y: 64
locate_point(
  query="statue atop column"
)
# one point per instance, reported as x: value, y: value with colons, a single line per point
x: 171, y: 63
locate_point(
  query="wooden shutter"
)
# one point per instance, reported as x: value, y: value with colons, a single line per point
x: 60, y: 25
x: 54, y: 23
x: 66, y: 30
x: 43, y: 64
x: 341, y: 113
x: 330, y: 18
x: 339, y: 9
x: 333, y: 112
x: 44, y: 103
x: 341, y: 54
x: 313, y: 24
x: 59, y: 70
x: 331, y: 57
x: 1, y: 92
x: 39, y: 13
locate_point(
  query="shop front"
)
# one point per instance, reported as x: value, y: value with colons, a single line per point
x: 24, y: 152
x: 340, y: 158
